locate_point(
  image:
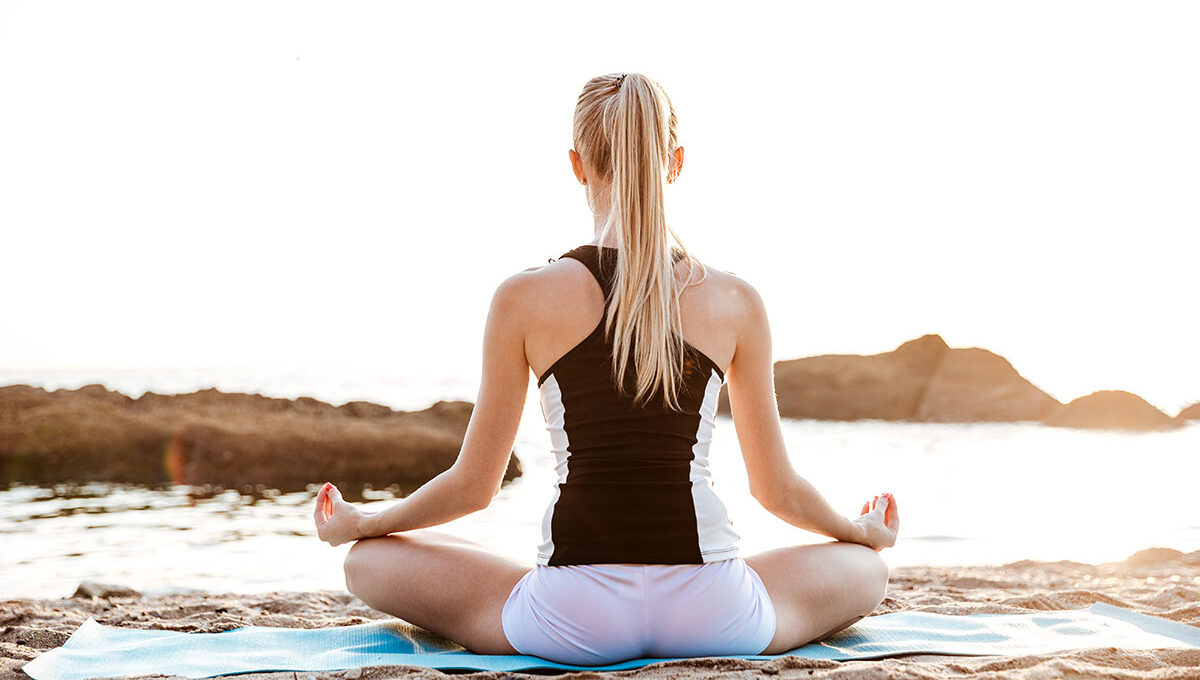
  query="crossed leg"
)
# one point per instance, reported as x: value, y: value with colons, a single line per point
x: 457, y: 588
x: 445, y: 584
x: 819, y: 589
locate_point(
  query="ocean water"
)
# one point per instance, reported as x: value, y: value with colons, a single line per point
x: 967, y: 494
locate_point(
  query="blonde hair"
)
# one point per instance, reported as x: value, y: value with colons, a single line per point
x: 625, y: 129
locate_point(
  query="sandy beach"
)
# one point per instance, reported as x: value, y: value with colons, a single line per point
x: 1157, y: 581
x: 938, y: 252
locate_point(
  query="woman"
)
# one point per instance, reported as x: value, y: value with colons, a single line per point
x: 638, y: 557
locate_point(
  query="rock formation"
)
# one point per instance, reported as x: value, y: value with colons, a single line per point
x: 922, y: 380
x: 215, y: 438
x: 1111, y: 409
x: 972, y: 385
x: 1190, y: 413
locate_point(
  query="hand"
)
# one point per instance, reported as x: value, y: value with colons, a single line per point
x: 337, y: 521
x: 879, y: 522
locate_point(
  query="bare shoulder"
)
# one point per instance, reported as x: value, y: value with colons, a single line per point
x: 550, y: 275
x: 530, y: 289
x: 737, y: 300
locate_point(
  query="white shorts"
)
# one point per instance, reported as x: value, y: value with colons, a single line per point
x: 598, y: 614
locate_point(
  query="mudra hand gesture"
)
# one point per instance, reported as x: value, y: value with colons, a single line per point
x: 879, y: 522
x: 337, y: 521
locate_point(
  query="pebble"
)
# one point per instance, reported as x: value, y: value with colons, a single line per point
x: 94, y: 589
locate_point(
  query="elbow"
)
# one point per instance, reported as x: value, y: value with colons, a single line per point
x: 474, y: 501
x: 481, y: 499
x: 764, y: 497
x: 481, y: 502
x: 468, y: 491
x: 773, y: 494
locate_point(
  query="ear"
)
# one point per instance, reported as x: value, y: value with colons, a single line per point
x: 577, y: 166
x: 676, y: 164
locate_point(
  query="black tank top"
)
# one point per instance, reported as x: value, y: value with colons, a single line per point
x: 633, y: 481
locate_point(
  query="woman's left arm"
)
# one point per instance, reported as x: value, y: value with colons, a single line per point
x: 474, y: 479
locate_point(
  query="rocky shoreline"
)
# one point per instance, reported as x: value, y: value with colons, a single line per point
x: 927, y: 381
x: 214, y: 439
x: 210, y: 438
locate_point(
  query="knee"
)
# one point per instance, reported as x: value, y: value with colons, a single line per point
x: 876, y: 577
x: 357, y: 562
x: 868, y: 574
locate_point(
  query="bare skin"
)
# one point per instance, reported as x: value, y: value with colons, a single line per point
x: 457, y: 588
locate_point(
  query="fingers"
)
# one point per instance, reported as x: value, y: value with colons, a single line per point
x: 882, y: 502
x: 885, y: 505
x: 332, y: 497
x: 327, y: 495
x: 892, y: 516
x: 870, y: 505
x: 319, y: 515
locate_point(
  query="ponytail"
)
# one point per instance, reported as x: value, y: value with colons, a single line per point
x: 625, y: 126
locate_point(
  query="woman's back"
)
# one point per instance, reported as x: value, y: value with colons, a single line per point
x: 571, y: 303
x: 633, y: 481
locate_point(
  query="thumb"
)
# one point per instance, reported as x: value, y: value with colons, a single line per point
x: 891, y: 517
x: 882, y: 505
x: 319, y: 510
x: 335, y: 494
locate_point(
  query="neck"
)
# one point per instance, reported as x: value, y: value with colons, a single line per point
x: 599, y: 204
x: 601, y: 216
x: 598, y: 227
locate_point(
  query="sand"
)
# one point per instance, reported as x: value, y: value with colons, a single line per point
x: 1160, y: 582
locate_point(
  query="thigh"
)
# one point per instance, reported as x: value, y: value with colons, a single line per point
x: 819, y: 589
x: 445, y: 584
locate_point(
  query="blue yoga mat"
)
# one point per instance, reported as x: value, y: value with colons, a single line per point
x: 96, y: 650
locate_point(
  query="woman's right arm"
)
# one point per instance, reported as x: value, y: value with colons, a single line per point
x: 773, y: 481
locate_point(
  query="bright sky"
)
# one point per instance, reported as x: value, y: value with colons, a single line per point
x: 294, y: 184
